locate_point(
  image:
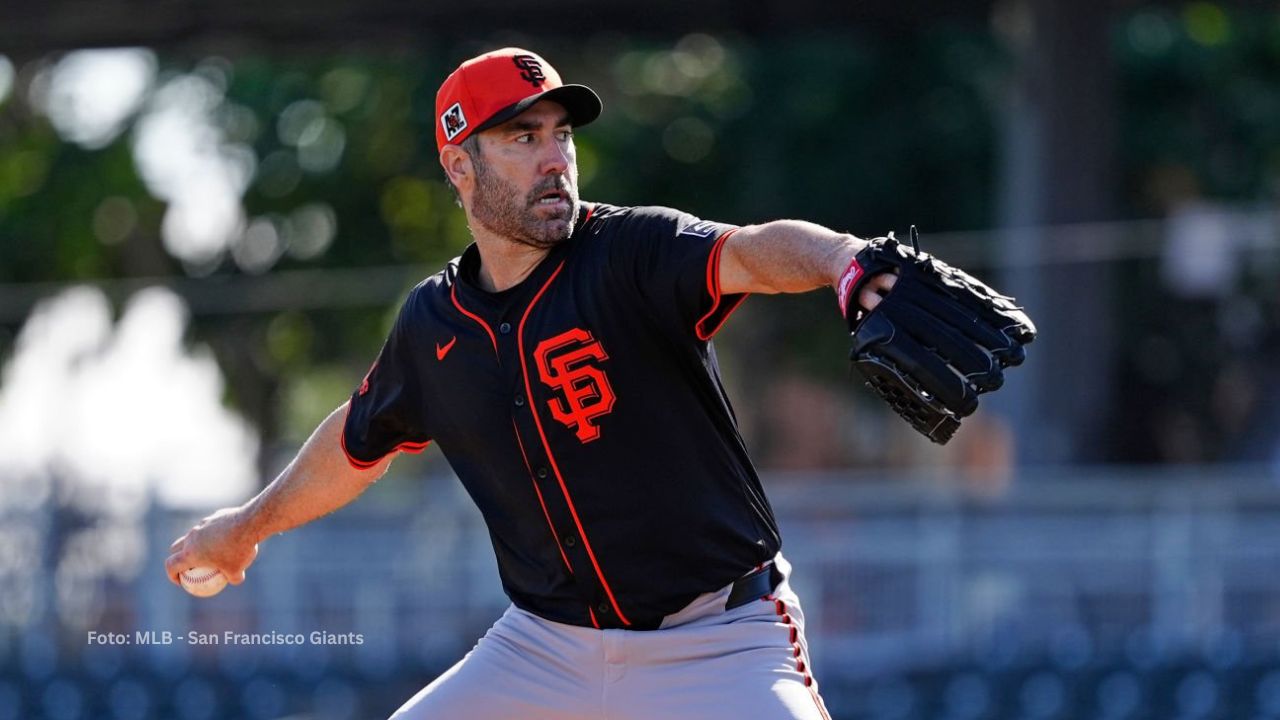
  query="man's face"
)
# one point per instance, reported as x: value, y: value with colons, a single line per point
x: 527, y: 177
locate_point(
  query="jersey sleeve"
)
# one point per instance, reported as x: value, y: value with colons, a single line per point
x: 386, y: 412
x: 675, y: 259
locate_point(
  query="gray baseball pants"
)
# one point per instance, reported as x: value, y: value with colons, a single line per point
x: 704, y: 663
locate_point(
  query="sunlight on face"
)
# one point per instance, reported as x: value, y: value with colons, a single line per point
x: 540, y: 211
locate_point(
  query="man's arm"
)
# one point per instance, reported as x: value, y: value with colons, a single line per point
x: 317, y: 482
x: 791, y: 256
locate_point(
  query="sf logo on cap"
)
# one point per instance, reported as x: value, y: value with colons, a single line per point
x: 530, y: 69
x: 453, y: 121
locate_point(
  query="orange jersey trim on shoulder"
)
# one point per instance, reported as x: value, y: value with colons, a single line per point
x: 710, y: 323
x: 409, y: 447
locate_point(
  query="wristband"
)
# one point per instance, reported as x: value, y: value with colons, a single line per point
x: 844, y: 288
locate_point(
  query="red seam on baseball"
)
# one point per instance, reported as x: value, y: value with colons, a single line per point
x: 212, y: 574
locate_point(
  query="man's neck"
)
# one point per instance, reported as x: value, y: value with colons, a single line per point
x: 503, y: 262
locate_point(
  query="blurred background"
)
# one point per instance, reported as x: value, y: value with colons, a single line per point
x: 210, y: 213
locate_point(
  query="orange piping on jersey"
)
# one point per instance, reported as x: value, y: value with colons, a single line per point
x: 713, y: 289
x: 453, y: 295
x: 555, y: 467
x: 594, y: 621
x: 409, y: 447
x: 555, y: 536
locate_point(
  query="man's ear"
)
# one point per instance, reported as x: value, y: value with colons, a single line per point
x: 457, y: 166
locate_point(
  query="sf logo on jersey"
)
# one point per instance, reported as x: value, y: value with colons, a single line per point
x: 530, y: 69
x: 569, y: 362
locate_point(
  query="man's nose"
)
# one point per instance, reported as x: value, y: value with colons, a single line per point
x: 556, y: 160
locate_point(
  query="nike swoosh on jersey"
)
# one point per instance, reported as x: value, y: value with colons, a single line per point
x: 441, y: 351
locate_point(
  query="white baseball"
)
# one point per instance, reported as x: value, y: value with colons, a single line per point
x: 203, y: 581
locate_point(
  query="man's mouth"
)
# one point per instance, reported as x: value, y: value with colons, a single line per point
x: 552, y: 198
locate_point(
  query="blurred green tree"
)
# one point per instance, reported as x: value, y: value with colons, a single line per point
x: 863, y: 132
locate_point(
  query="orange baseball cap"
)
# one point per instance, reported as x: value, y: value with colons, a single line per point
x: 492, y: 88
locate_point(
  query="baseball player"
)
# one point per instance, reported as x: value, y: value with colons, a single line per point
x: 564, y: 366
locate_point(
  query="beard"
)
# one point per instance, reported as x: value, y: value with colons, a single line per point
x: 500, y: 207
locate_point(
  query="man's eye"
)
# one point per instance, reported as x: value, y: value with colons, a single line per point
x: 526, y: 138
x: 565, y: 135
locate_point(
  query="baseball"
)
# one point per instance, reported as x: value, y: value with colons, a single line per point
x: 203, y: 581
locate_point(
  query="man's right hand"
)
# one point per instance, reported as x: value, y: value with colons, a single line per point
x: 318, y: 481
x: 222, y: 540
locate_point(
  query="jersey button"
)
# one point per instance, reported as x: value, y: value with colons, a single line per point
x: 542, y: 472
x: 519, y: 401
x: 504, y: 328
x: 570, y: 541
x: 603, y: 608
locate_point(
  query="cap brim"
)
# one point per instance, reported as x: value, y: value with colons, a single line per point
x: 581, y: 101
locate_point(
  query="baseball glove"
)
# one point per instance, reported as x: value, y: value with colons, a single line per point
x: 936, y: 341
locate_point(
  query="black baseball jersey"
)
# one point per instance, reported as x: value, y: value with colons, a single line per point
x: 583, y: 411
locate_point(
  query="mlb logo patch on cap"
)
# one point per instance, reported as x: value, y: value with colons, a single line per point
x: 453, y: 121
